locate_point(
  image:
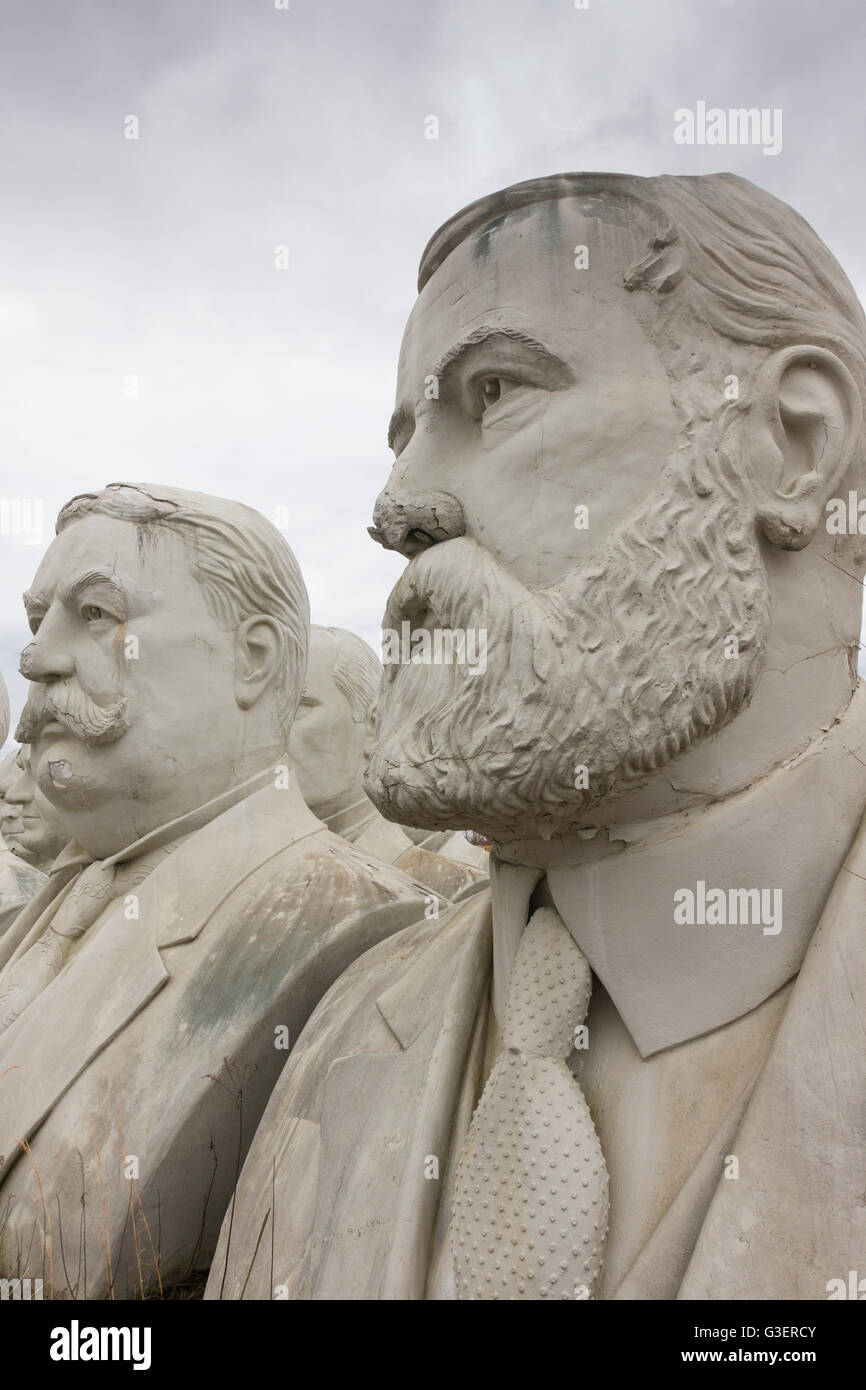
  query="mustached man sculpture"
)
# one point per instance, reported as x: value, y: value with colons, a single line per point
x: 150, y: 991
x: 627, y: 409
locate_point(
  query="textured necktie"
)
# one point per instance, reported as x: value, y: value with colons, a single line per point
x: 530, y: 1209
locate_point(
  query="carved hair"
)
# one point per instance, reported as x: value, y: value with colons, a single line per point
x: 356, y: 672
x: 716, y: 249
x: 243, y: 564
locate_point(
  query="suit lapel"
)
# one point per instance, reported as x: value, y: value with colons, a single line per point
x: 795, y: 1217
x: 658, y: 1270
x: 118, y: 968
x: 116, y: 971
x: 226, y: 852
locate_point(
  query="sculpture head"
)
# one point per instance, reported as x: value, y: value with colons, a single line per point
x: 623, y: 405
x: 169, y: 647
x: 10, y: 816
x: 331, y: 733
x: 30, y: 825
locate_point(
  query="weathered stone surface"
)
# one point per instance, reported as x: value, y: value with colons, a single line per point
x: 625, y: 410
x: 150, y: 992
x: 329, y: 746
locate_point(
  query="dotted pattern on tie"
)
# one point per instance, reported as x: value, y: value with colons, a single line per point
x: 530, y: 1210
x: 549, y: 989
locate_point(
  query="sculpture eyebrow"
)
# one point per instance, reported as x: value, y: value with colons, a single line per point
x: 84, y: 581
x: 70, y: 591
x: 489, y: 333
x: 39, y: 603
x: 402, y: 419
x: 33, y: 602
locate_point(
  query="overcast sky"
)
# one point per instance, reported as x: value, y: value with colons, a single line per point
x: 154, y: 258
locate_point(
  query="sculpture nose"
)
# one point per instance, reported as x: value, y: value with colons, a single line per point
x: 44, y: 661
x: 409, y: 522
x: 17, y: 794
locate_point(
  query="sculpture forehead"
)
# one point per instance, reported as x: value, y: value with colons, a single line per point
x: 130, y: 552
x: 520, y: 271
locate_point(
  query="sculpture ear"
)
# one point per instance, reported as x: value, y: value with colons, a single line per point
x: 802, y: 433
x: 259, y: 655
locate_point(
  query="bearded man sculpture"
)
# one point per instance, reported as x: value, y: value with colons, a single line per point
x: 150, y: 991
x: 329, y: 746
x: 625, y: 408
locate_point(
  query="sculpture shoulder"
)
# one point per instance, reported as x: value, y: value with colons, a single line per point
x: 273, y: 879
x: 301, y: 893
x: 362, y: 880
x: 446, y: 877
x: 382, y: 1000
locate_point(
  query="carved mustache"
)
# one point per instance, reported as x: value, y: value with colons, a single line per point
x: 65, y: 702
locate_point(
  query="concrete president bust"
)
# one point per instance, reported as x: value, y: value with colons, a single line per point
x: 626, y: 410
x: 30, y: 825
x: 330, y: 745
x: 151, y: 989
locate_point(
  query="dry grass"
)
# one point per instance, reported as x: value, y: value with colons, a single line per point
x: 193, y: 1283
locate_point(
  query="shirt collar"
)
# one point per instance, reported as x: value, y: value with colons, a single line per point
x: 789, y: 831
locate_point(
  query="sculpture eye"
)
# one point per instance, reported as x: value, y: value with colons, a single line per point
x: 91, y: 614
x: 491, y: 389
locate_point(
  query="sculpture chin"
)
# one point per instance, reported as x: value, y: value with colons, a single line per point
x: 591, y: 684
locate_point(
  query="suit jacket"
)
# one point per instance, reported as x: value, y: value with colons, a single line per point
x: 137, y: 1076
x: 352, y: 1167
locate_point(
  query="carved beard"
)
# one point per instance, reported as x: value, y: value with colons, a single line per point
x: 618, y: 668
